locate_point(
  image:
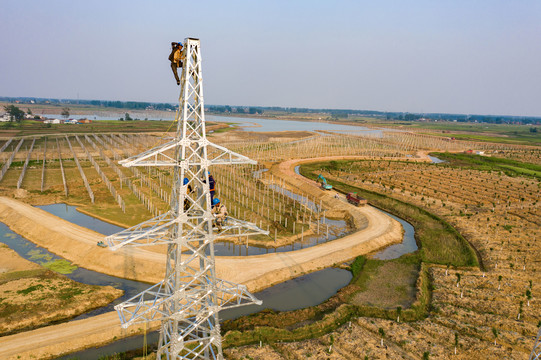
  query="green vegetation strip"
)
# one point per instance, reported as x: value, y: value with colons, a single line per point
x: 490, y: 163
x: 496, y: 133
x: 439, y: 242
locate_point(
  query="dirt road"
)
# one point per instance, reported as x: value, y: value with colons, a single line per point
x: 77, y: 244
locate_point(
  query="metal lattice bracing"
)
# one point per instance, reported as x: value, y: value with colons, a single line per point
x: 189, y: 298
x: 536, y: 351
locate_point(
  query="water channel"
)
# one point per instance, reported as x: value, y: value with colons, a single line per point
x: 304, y: 291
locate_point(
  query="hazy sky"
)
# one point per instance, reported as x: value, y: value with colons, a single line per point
x: 481, y: 57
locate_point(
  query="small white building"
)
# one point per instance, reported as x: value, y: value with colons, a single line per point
x: 4, y: 117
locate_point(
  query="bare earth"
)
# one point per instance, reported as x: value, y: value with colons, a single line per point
x: 78, y: 245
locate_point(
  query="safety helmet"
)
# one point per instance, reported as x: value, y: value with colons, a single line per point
x: 186, y: 181
x: 215, y: 201
x: 208, y: 173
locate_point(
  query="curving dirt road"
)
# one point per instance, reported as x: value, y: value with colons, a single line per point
x: 77, y: 244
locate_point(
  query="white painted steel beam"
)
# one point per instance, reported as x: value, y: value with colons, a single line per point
x: 188, y: 300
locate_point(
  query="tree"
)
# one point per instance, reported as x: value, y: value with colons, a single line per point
x: 495, y: 333
x: 382, y: 334
x: 398, y: 312
x: 127, y: 117
x: 14, y: 113
x: 28, y: 111
x: 456, y: 341
x: 528, y: 296
x: 65, y: 112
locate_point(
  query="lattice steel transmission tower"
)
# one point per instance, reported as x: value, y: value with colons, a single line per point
x: 189, y: 298
x: 536, y: 351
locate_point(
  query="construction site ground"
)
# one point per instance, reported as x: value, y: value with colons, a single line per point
x: 78, y: 245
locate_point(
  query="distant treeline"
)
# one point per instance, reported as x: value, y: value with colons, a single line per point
x: 331, y: 113
x: 133, y: 105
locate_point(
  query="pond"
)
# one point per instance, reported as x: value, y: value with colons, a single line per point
x: 435, y: 160
x: 266, y: 125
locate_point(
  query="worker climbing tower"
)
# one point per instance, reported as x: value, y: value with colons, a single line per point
x: 188, y: 300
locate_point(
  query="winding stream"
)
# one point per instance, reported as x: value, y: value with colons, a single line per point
x: 304, y: 291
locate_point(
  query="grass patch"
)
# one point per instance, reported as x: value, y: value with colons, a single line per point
x: 387, y: 283
x: 36, y: 255
x: 68, y: 293
x: 30, y: 289
x: 490, y: 163
x: 499, y: 133
x: 61, y: 266
x: 357, y: 266
x: 270, y: 327
x: 23, y: 274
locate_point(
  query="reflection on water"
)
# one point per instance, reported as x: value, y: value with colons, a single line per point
x: 307, y: 290
x: 408, y: 244
x: 337, y: 229
x: 70, y: 213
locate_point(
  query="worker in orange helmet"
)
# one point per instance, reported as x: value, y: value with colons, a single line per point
x: 176, y: 58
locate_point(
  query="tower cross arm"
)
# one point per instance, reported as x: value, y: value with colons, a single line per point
x: 236, y: 227
x: 156, y: 156
x: 219, y: 155
x: 151, y: 232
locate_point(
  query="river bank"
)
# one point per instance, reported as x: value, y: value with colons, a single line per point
x: 77, y: 244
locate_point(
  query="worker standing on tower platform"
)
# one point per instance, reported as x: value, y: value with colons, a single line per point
x: 176, y: 58
x: 212, y: 186
x: 188, y: 191
x: 220, y: 213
